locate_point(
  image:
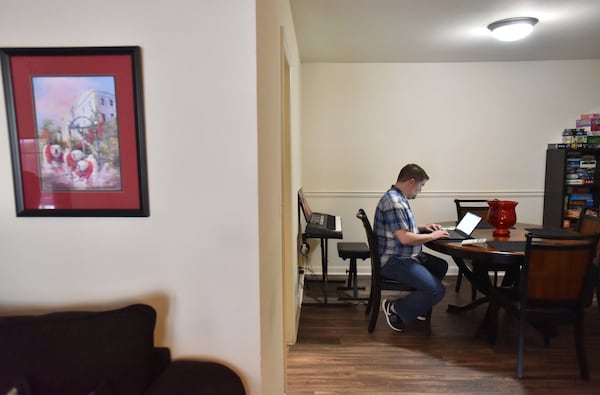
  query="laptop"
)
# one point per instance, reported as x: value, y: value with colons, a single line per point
x: 464, y: 229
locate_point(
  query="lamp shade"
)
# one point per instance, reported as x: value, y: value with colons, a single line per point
x: 512, y: 29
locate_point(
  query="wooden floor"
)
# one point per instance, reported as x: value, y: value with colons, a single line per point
x: 335, y: 354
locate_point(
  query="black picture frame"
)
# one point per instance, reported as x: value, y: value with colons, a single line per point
x: 76, y: 128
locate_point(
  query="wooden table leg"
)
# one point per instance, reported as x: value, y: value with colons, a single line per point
x: 479, y: 277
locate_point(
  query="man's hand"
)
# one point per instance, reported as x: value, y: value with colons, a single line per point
x: 439, y: 234
x: 433, y: 227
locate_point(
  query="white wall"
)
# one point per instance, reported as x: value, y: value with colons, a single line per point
x: 196, y: 258
x: 479, y: 129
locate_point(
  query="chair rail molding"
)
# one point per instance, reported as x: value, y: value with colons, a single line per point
x: 430, y: 194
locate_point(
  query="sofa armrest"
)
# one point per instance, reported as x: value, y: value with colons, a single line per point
x: 189, y: 377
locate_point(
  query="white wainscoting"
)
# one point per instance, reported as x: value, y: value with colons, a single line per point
x: 428, y: 207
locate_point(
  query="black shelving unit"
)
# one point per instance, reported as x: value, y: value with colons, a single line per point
x: 572, y: 183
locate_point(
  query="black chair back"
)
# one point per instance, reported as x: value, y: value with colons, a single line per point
x: 476, y: 206
x: 373, y: 248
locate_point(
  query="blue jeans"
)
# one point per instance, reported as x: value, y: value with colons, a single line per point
x: 424, y: 275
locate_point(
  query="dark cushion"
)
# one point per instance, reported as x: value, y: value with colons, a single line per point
x: 75, y: 353
x: 187, y: 377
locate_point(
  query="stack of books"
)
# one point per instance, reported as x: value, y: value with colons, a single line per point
x: 586, y: 134
x: 590, y: 125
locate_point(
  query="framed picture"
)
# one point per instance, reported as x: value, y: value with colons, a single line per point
x: 76, y: 126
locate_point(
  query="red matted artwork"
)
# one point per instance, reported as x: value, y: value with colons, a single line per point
x: 76, y: 126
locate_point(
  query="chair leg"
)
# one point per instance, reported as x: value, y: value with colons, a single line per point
x: 428, y: 322
x: 371, y: 297
x: 376, y: 298
x: 580, y: 347
x: 458, y: 280
x: 521, y: 347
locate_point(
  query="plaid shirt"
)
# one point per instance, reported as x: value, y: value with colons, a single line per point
x: 393, y: 213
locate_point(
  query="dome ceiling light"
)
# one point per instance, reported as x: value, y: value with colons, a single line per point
x: 512, y: 29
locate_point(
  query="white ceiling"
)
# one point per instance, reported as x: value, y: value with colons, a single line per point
x: 442, y: 30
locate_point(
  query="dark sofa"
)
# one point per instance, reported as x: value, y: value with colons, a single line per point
x: 100, y: 353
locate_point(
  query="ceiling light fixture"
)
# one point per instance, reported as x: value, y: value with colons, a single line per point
x: 512, y: 29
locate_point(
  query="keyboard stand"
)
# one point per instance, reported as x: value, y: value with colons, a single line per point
x: 324, y: 263
x: 324, y: 238
x: 324, y: 255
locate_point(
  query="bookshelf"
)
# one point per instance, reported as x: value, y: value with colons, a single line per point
x: 572, y: 183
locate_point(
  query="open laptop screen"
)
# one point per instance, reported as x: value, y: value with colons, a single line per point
x: 468, y: 223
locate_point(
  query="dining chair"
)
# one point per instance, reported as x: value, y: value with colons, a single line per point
x: 552, y: 289
x: 476, y: 206
x: 480, y: 208
x: 379, y: 283
x: 589, y: 223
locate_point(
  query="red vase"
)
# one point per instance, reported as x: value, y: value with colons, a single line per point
x: 502, y: 216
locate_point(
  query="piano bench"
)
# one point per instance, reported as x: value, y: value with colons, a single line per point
x: 353, y: 251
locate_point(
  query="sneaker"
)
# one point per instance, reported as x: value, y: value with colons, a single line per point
x: 392, y: 319
x: 386, y: 306
x: 422, y: 318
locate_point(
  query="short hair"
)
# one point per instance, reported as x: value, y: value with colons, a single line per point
x: 412, y: 170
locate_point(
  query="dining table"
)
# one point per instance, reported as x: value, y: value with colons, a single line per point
x: 503, y: 254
